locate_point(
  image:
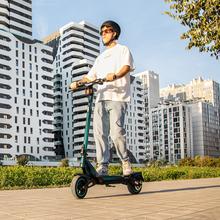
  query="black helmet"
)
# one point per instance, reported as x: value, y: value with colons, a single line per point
x: 114, y: 26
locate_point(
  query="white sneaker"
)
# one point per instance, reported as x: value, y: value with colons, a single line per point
x: 126, y: 166
x: 102, y: 170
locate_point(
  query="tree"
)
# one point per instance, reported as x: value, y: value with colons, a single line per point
x: 64, y: 162
x: 22, y: 160
x: 202, y: 17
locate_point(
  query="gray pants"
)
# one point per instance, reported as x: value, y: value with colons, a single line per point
x: 109, y: 117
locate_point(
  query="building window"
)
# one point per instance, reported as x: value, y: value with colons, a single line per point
x: 16, y: 139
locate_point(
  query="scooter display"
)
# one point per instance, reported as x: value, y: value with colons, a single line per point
x: 82, y: 182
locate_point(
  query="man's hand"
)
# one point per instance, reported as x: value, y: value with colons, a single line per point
x: 85, y: 79
x: 73, y: 86
x: 110, y: 77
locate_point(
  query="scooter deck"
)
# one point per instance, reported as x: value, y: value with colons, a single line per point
x: 118, y: 179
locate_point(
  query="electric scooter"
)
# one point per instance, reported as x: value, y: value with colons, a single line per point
x: 81, y: 182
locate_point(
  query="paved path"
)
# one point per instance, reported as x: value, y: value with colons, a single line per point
x: 182, y: 199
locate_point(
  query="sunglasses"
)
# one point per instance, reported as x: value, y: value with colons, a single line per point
x: 106, y: 31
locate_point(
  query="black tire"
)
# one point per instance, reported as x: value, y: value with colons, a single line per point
x: 135, y: 186
x: 79, y: 186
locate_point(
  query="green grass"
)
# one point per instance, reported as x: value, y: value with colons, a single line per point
x: 19, y: 177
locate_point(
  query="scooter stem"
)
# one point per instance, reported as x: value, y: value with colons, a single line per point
x: 86, y: 135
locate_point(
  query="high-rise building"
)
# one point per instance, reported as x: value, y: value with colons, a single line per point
x: 26, y: 87
x: 203, y: 96
x: 16, y: 17
x: 150, y: 86
x: 206, y: 129
x: 170, y: 132
x: 76, y: 45
x: 207, y: 90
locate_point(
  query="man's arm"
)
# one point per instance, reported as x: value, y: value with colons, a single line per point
x: 123, y: 71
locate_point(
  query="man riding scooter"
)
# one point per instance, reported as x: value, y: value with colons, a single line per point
x: 113, y: 65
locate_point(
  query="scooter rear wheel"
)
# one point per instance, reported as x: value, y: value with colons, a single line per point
x: 79, y: 186
x: 135, y: 186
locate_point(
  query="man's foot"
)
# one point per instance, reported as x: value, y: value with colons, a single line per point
x: 102, y: 170
x: 126, y: 166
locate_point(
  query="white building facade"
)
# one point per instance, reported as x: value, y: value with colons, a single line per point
x: 76, y: 45
x: 171, y: 132
x: 16, y: 17
x: 26, y: 88
x: 203, y: 96
x: 206, y: 129
x: 150, y: 86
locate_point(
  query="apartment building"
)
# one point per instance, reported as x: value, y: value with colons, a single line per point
x: 75, y: 47
x: 26, y: 87
x: 203, y: 96
x: 171, y: 132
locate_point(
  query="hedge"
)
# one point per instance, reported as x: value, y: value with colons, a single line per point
x: 19, y: 177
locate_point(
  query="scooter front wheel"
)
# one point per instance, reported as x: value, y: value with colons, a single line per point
x: 79, y: 186
x: 135, y: 186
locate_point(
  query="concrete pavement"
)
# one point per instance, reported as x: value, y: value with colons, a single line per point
x: 183, y: 199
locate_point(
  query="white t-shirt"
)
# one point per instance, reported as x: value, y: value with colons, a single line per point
x: 111, y: 61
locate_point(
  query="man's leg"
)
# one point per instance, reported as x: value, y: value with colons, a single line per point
x: 101, y: 133
x: 117, y: 111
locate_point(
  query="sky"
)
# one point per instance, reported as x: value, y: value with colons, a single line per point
x: 152, y: 36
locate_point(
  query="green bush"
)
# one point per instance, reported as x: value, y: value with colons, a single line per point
x: 200, y: 161
x: 32, y: 177
x: 35, y: 177
x: 22, y: 160
x: 64, y: 162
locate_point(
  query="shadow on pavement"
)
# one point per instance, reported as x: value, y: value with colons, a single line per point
x: 157, y: 191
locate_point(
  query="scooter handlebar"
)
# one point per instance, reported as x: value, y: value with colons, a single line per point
x: 74, y: 86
